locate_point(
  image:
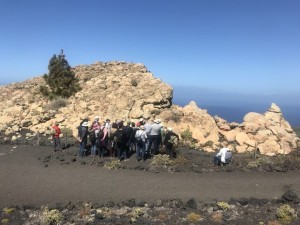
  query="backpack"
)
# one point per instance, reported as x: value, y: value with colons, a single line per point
x: 118, y: 136
x: 93, y: 135
x: 128, y: 131
x: 100, y: 134
x: 139, y: 140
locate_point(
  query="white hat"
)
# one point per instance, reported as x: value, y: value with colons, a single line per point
x: 156, y: 121
x: 85, y: 124
x: 170, y: 129
x: 97, y: 117
x: 141, y: 120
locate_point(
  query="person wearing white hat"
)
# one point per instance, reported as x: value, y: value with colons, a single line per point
x: 155, y: 138
x: 171, y: 140
x: 223, y: 157
x: 140, y: 139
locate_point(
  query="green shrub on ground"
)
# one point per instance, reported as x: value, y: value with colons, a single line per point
x: 161, y: 161
x: 67, y: 132
x: 51, y: 217
x: 113, y: 164
x: 8, y: 210
x: 286, y: 214
x: 223, y: 206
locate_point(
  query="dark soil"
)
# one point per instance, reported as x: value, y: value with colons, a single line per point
x: 186, y: 190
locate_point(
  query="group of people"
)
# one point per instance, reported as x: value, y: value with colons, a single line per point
x: 120, y: 139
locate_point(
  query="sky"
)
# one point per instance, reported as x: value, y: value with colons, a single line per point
x: 214, y: 46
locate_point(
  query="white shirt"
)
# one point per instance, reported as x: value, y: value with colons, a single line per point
x: 222, y: 153
x: 142, y: 134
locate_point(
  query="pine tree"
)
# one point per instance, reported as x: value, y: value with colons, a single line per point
x: 61, y: 79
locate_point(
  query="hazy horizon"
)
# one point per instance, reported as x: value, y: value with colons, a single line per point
x: 233, y: 106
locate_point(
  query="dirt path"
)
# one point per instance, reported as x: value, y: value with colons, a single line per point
x: 24, y: 180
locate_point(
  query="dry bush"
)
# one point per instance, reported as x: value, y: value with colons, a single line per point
x: 162, y: 161
x: 180, y: 161
x: 57, y: 104
x: 194, y: 217
x: 217, y: 217
x: 134, y: 82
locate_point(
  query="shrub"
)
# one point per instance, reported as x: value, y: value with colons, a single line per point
x: 285, y: 214
x: 57, y: 104
x: 217, y: 217
x: 8, y: 211
x: 173, y: 117
x: 180, y: 161
x: 5, y: 221
x: 52, y: 217
x: 67, y: 132
x: 193, y: 217
x: 161, y: 161
x: 134, y: 82
x: 136, y: 213
x: 208, y: 144
x: 187, y: 135
x: 223, y: 206
x: 114, y: 164
x: 44, y: 90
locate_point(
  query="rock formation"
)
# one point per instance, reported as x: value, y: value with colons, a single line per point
x: 118, y: 90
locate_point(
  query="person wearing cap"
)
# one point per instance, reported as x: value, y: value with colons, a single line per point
x: 96, y: 124
x: 82, y: 137
x: 140, y: 122
x: 154, y: 138
x: 223, y: 157
x: 140, y: 139
x: 170, y: 141
x: 55, y: 137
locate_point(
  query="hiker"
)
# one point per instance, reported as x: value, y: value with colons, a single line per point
x: 170, y: 140
x: 140, y: 139
x: 128, y: 130
x: 55, y: 137
x: 140, y: 122
x: 111, y: 142
x: 102, y: 140
x: 119, y: 141
x: 96, y: 124
x: 82, y: 137
x: 223, y: 157
x: 132, y: 138
x: 147, y: 126
x: 155, y: 138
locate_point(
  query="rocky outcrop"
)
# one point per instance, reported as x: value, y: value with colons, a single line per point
x: 118, y: 90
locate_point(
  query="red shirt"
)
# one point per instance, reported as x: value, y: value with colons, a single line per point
x: 57, y: 131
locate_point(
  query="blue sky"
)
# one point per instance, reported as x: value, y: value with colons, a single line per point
x: 244, y: 47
